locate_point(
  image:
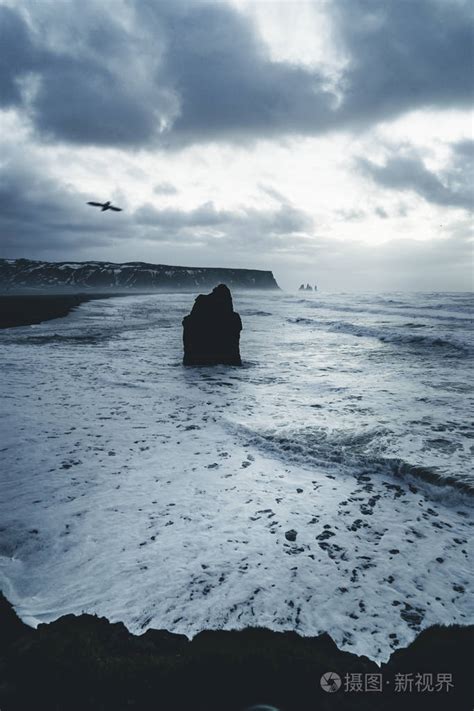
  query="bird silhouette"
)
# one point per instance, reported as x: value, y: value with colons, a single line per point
x: 105, y: 206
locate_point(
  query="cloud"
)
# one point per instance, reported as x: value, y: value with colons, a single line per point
x: 145, y: 75
x: 17, y: 56
x: 40, y: 217
x: 450, y: 188
x: 351, y: 215
x: 165, y: 189
x: 136, y: 74
x: 90, y: 89
x: 178, y: 73
x: 464, y: 150
x: 235, y: 228
x: 227, y: 85
x: 403, y: 56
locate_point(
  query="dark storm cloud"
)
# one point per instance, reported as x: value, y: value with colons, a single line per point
x: 184, y: 72
x: 196, y: 67
x: 451, y: 188
x: 83, y: 91
x: 17, y: 56
x: 226, y: 83
x: 85, y: 103
x: 404, y: 55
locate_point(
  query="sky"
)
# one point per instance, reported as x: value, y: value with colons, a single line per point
x: 330, y: 141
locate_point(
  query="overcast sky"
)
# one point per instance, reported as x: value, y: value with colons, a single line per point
x: 329, y: 141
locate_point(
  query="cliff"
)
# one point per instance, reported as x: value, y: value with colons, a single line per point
x: 18, y: 274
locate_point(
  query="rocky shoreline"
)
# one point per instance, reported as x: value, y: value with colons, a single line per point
x: 86, y: 662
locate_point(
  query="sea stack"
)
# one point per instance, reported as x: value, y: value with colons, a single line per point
x: 211, y: 332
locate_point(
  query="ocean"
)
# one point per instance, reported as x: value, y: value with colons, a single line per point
x: 324, y: 486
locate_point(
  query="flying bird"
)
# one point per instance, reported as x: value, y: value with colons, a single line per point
x: 105, y: 206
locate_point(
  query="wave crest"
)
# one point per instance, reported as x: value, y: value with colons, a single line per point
x: 354, y: 452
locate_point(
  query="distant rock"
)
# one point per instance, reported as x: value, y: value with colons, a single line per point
x: 302, y: 287
x: 308, y: 288
x: 211, y: 332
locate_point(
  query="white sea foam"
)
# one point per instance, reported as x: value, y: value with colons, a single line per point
x: 160, y: 496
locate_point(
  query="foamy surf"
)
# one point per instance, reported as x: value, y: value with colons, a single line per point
x: 162, y: 496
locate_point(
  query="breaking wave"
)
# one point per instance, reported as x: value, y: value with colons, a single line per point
x: 393, y: 336
x: 355, y: 453
x: 390, y: 335
x: 254, y: 312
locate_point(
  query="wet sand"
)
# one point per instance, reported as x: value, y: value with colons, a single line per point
x: 29, y: 309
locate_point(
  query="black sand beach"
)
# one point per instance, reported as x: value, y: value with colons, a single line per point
x: 81, y: 662
x: 28, y: 309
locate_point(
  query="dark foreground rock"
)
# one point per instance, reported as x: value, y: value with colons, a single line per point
x: 85, y: 662
x: 211, y: 332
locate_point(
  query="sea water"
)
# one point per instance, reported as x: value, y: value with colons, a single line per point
x: 160, y: 496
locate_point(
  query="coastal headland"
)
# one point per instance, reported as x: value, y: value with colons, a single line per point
x: 20, y: 274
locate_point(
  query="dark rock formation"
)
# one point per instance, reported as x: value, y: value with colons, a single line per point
x: 21, y: 274
x: 85, y: 662
x: 302, y: 287
x: 308, y: 288
x: 211, y: 332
